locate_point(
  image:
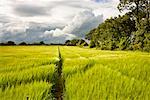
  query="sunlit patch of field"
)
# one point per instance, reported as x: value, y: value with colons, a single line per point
x: 89, y: 74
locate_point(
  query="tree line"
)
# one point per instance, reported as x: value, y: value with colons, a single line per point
x: 11, y: 43
x: 73, y: 42
x: 128, y: 32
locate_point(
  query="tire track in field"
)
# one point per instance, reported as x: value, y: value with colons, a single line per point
x: 56, y: 92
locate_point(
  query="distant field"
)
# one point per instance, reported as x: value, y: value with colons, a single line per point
x: 90, y: 74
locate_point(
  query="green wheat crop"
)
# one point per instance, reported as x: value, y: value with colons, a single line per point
x: 89, y: 74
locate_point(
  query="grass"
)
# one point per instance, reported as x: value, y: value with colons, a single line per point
x: 89, y: 74
x: 34, y: 90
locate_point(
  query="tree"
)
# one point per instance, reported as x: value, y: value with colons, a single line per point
x: 142, y: 37
x: 138, y: 8
x: 128, y: 32
x: 23, y: 43
x: 89, y: 35
x: 92, y: 44
x: 76, y: 42
x: 42, y: 43
x: 10, y: 43
x: 114, y: 33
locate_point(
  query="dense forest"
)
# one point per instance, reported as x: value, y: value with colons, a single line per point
x: 128, y: 32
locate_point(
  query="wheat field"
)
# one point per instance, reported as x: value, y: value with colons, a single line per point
x: 89, y: 74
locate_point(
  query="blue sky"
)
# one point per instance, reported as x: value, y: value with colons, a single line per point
x: 100, y: 0
x: 52, y: 21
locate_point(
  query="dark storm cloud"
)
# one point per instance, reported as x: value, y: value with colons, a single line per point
x: 30, y: 10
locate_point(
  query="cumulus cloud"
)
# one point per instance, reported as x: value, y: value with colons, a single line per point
x: 30, y: 10
x: 22, y: 31
x: 57, y: 36
x: 36, y: 32
x: 82, y: 23
x: 77, y: 28
x: 52, y: 21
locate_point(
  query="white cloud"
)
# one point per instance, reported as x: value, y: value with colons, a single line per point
x: 36, y: 32
x: 82, y: 23
x: 30, y: 10
x: 51, y: 20
x: 77, y: 28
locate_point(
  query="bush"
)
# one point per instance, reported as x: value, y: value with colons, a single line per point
x: 23, y: 43
x: 76, y: 42
x: 92, y: 44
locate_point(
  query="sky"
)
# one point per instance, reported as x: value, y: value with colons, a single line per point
x: 52, y: 21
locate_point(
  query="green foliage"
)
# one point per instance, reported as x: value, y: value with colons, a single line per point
x: 76, y: 42
x: 92, y: 44
x: 42, y: 43
x: 114, y: 33
x: 23, y: 43
x: 139, y: 8
x: 121, y: 34
x: 128, y: 32
x: 9, y: 43
x: 142, y: 37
